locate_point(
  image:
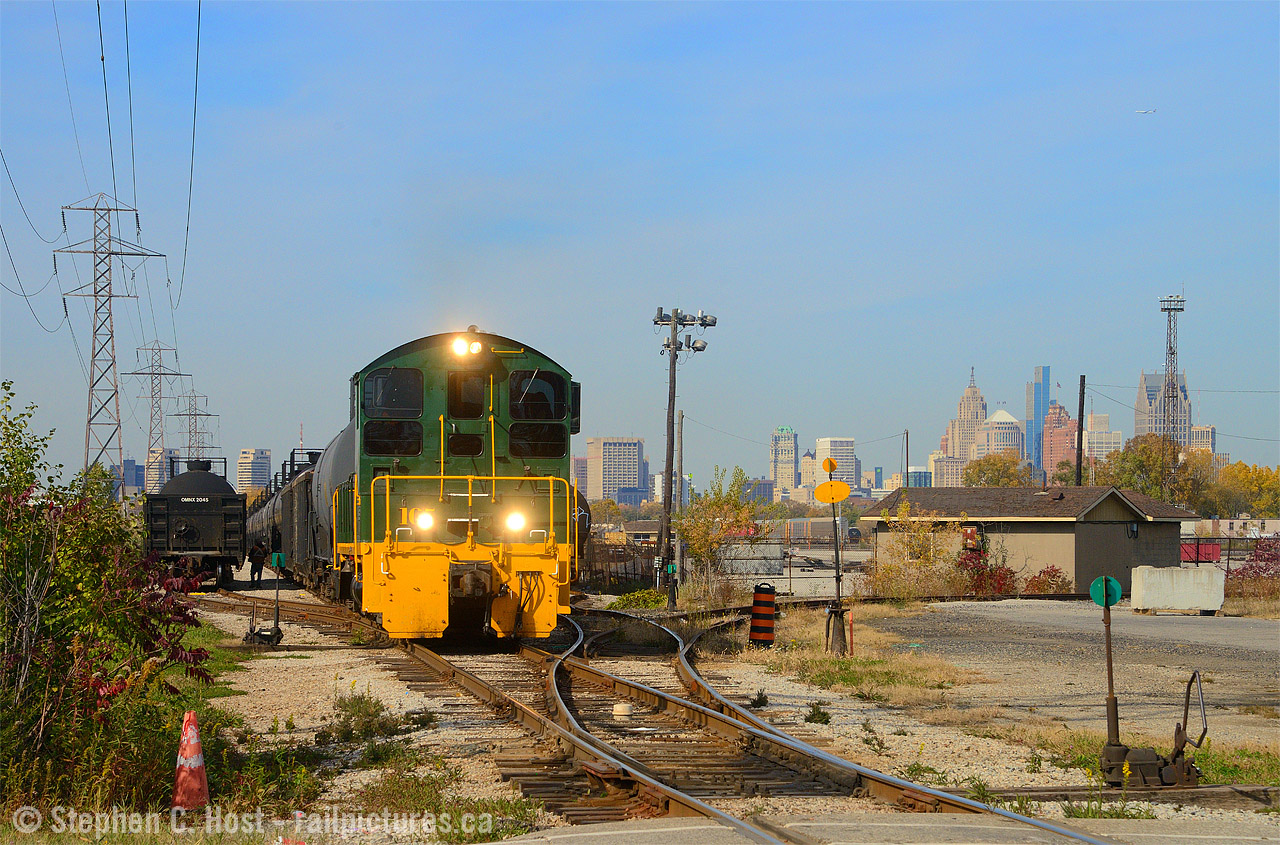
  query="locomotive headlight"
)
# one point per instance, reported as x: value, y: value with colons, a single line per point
x: 515, y: 521
x: 424, y: 520
x: 475, y: 347
x: 460, y: 346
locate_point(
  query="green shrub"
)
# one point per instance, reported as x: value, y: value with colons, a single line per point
x: 640, y: 600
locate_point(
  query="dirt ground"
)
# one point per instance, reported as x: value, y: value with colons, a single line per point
x: 1061, y: 674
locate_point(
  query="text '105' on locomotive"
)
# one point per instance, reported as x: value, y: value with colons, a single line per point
x: 196, y: 523
x: 446, y: 502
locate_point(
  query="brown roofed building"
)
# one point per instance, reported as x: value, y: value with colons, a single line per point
x: 1084, y: 531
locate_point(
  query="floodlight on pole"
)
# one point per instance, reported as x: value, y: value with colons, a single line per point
x: 672, y: 346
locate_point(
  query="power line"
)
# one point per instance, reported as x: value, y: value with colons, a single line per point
x: 23, y: 207
x: 115, y: 191
x: 22, y: 291
x: 195, y: 101
x: 67, y: 83
x: 128, y: 68
x: 1215, y: 428
x: 1197, y: 390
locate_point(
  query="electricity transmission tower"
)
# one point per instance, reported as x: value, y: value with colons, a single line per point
x: 102, y: 440
x: 157, y: 372
x: 1171, y: 412
x: 197, y: 434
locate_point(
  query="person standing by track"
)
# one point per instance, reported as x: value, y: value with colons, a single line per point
x: 257, y: 559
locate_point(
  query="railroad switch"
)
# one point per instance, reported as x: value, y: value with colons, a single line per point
x: 1146, y: 767
x: 1124, y: 766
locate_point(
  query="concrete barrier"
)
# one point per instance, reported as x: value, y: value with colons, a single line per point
x: 1175, y: 588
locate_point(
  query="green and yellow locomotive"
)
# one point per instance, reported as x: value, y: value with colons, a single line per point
x: 446, y: 501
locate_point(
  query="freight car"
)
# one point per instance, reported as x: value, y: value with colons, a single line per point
x: 445, y: 502
x: 196, y: 523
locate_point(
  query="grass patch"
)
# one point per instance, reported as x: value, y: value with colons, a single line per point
x: 383, y: 753
x: 362, y: 715
x: 1221, y: 762
x: 1264, y: 710
x: 817, y: 715
x: 640, y: 600
x: 404, y: 790
x: 876, y: 668
x: 1254, y: 607
x: 919, y: 772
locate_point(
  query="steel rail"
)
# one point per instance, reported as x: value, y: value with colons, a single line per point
x: 752, y: 729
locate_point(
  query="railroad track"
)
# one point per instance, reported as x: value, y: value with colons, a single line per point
x: 673, y: 756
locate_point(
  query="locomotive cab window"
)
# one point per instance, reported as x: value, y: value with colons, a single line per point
x: 393, y: 438
x: 393, y: 393
x: 538, y: 440
x: 466, y: 396
x: 537, y: 395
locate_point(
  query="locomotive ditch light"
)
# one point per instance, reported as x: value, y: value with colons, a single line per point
x: 424, y: 521
x: 515, y: 521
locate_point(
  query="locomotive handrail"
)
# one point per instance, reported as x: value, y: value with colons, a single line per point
x: 470, y: 479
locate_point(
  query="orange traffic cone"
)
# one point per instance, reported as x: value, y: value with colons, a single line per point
x: 190, y: 783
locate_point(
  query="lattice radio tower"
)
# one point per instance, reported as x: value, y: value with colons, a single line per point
x: 102, y: 438
x: 157, y: 372
x: 1172, y: 306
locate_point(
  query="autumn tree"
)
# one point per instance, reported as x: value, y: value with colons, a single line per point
x: 1000, y: 469
x: 917, y: 556
x: 605, y: 512
x: 718, y: 518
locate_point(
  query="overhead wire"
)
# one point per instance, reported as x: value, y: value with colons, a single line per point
x: 22, y: 291
x: 23, y: 207
x: 67, y: 82
x: 195, y: 102
x: 1215, y: 429
x: 1197, y: 390
x: 106, y: 99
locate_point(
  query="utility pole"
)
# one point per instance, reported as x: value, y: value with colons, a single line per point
x: 906, y: 457
x: 679, y: 486
x: 102, y: 439
x: 672, y: 346
x: 156, y: 372
x: 1172, y: 306
x: 1080, y: 434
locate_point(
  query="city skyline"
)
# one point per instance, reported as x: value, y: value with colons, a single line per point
x: 737, y: 159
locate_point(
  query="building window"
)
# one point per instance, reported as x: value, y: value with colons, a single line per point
x: 536, y: 395
x: 393, y: 438
x: 537, y: 440
x: 466, y: 396
x: 393, y: 393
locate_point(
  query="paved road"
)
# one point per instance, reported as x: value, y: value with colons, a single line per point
x: 1262, y: 635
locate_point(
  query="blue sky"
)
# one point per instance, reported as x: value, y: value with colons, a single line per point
x: 871, y: 197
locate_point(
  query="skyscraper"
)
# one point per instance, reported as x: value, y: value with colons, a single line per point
x: 848, y: 467
x: 612, y: 463
x: 157, y: 470
x: 1148, y: 408
x: 784, y: 458
x: 999, y: 433
x: 253, y: 470
x: 808, y: 470
x: 580, y: 474
x: 1038, y: 395
x: 1059, y: 437
x: 971, y: 412
x: 1099, y: 439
